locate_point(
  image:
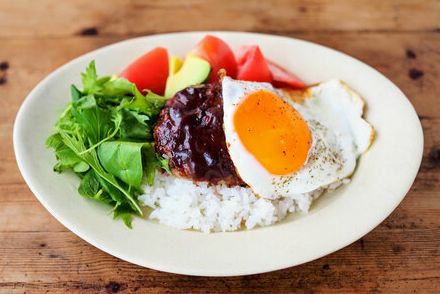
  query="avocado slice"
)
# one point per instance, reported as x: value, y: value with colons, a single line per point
x: 194, y: 71
x: 175, y: 64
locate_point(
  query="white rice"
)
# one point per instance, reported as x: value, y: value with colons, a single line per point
x: 217, y: 208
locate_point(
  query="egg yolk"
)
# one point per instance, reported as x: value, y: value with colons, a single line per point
x: 273, y: 132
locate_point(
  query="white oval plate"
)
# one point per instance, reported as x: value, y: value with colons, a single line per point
x: 383, y: 177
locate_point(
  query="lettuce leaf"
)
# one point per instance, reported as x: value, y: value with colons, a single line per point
x: 124, y: 160
x: 105, y: 136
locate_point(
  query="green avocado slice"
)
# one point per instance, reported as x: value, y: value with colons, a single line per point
x: 194, y: 71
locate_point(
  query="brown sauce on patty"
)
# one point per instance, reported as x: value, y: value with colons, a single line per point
x: 189, y: 132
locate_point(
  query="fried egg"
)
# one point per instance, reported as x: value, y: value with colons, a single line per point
x: 285, y: 143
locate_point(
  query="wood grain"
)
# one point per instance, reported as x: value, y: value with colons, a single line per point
x: 399, y: 38
x: 137, y: 17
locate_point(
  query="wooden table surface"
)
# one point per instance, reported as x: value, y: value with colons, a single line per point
x: 399, y: 38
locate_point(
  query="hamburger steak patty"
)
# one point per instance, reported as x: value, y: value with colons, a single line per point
x: 189, y: 132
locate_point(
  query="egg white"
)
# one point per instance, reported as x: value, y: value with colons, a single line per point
x: 333, y: 114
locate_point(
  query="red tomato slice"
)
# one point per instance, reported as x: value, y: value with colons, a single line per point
x: 149, y: 72
x: 252, y: 66
x: 283, y: 78
x: 218, y: 54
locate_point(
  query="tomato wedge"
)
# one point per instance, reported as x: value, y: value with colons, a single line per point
x: 150, y: 71
x: 252, y: 66
x: 218, y: 54
x: 283, y: 78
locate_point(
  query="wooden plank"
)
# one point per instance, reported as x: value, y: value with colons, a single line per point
x: 29, y: 216
x: 137, y: 17
x: 286, y: 16
x: 60, y: 259
x: 16, y: 193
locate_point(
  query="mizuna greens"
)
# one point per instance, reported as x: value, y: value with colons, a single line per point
x: 105, y: 137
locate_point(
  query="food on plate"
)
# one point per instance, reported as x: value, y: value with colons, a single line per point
x: 193, y: 71
x: 150, y: 71
x: 105, y: 137
x: 236, y: 141
x: 218, y: 54
x: 189, y: 132
x: 288, y: 148
x: 282, y: 78
x: 175, y: 64
x: 281, y: 147
x: 252, y: 66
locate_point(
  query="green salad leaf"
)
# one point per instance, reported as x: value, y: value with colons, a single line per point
x: 152, y: 162
x: 134, y: 125
x: 91, y: 187
x: 105, y: 136
x: 124, y: 160
x: 75, y: 93
x: 76, y: 144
